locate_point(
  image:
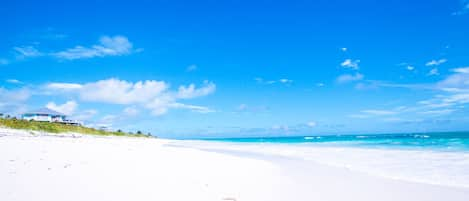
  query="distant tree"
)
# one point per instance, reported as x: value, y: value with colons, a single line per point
x: 139, y: 132
x: 149, y: 134
x: 119, y: 131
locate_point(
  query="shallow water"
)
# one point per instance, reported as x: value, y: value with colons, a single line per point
x: 450, y: 141
x: 435, y: 158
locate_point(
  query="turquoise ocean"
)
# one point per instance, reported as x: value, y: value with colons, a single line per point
x: 433, y: 158
x: 444, y: 141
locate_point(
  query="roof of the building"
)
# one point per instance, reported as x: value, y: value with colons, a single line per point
x: 46, y: 111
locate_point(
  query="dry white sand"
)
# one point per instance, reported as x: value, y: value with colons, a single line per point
x: 48, y: 168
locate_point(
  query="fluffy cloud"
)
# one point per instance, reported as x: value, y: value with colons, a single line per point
x: 436, y: 62
x: 67, y: 108
x: 352, y: 64
x: 63, y: 86
x: 122, y: 92
x: 350, y: 78
x: 108, y: 46
x: 150, y: 94
x: 192, y: 92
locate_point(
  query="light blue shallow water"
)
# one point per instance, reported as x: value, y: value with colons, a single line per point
x: 448, y: 141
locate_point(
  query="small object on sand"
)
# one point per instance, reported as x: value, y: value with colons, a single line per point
x: 229, y: 198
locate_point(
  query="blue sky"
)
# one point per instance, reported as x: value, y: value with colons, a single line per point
x: 187, y: 69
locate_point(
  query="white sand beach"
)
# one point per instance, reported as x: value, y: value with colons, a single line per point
x: 77, y: 168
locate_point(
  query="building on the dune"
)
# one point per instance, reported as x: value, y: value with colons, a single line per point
x: 48, y: 115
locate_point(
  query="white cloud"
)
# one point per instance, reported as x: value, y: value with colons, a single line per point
x: 63, y: 86
x: 410, y: 68
x: 352, y: 64
x: 194, y: 108
x: 461, y: 70
x: 269, y: 82
x: 350, y: 78
x: 285, y: 81
x: 122, y: 92
x: 436, y: 62
x: 150, y: 94
x: 192, y: 92
x: 67, y: 108
x: 191, y: 68
x: 108, y: 46
x: 459, y: 81
x: 320, y: 84
x: 13, y: 81
x: 26, y: 52
x: 262, y: 81
x: 344, y: 49
x: 438, y: 112
x: 379, y: 112
x: 433, y: 71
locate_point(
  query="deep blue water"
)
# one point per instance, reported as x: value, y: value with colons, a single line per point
x: 451, y: 141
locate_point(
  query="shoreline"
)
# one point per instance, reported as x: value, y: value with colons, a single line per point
x: 116, y: 168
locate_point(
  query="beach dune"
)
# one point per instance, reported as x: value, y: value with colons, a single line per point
x: 49, y: 168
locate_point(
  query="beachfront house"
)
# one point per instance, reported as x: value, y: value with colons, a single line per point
x: 48, y: 115
x: 44, y: 114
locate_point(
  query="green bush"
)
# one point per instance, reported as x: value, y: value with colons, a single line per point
x: 53, y: 127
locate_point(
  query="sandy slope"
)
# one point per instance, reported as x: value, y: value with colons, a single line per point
x: 92, y: 168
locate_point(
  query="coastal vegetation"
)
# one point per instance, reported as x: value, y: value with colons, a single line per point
x: 52, y: 127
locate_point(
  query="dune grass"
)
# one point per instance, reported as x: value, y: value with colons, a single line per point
x: 52, y: 127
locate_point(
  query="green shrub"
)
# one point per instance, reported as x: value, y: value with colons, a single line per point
x: 53, y: 127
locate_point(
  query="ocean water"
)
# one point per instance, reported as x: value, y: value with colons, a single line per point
x: 433, y: 158
x: 449, y: 141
